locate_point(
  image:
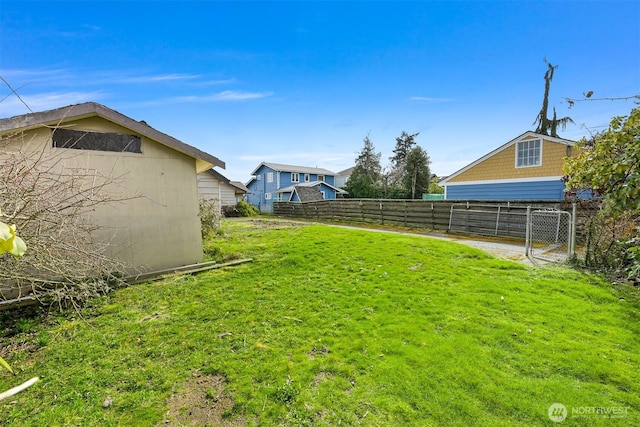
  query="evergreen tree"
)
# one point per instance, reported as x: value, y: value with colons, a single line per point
x: 364, y: 181
x: 416, y: 174
x: 404, y: 144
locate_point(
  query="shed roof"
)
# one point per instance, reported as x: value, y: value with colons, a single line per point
x: 53, y: 118
x: 240, y: 186
x: 237, y: 184
x: 308, y: 194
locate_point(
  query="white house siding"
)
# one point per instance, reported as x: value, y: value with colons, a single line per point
x: 212, y: 189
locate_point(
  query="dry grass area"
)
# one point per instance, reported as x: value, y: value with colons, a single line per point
x: 202, y: 400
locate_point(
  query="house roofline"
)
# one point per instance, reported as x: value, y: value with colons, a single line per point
x: 53, y: 118
x: 218, y: 175
x: 236, y: 184
x: 504, y: 147
x: 280, y: 167
x: 240, y: 186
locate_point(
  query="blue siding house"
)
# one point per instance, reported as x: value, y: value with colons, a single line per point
x: 277, y: 182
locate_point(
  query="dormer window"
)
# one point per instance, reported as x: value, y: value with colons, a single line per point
x: 529, y: 153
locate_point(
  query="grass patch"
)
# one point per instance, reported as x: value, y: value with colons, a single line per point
x: 337, y: 326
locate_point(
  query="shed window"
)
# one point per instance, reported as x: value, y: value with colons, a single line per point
x: 529, y: 153
x: 97, y: 141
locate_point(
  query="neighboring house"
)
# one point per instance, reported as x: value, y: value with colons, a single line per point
x: 528, y: 167
x: 308, y: 192
x: 155, y: 224
x: 343, y: 176
x: 219, y: 190
x: 269, y: 179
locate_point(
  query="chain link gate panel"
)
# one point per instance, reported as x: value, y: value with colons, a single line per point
x: 550, y: 235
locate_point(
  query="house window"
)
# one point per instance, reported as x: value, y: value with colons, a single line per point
x: 320, y: 177
x: 97, y: 141
x: 529, y: 153
x: 270, y: 177
x: 323, y: 194
x: 306, y: 177
x: 258, y: 177
x: 295, y: 177
x: 267, y: 196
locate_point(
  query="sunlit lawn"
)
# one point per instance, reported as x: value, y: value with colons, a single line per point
x: 329, y: 326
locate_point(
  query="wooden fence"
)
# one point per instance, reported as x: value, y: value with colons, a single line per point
x: 429, y: 214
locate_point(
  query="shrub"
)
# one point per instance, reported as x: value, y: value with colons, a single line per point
x: 209, y: 218
x: 613, y: 246
x: 242, y: 209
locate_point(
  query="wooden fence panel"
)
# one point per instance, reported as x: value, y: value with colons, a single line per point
x: 429, y: 214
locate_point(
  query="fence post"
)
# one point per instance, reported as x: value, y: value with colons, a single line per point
x: 572, y: 238
x: 450, y: 218
x: 404, y: 211
x: 527, y: 232
x: 433, y: 217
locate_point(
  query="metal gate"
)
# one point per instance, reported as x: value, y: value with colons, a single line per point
x: 550, y: 235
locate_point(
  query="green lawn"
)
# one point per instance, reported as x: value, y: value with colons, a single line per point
x: 332, y: 326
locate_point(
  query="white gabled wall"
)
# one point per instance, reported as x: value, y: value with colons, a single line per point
x: 210, y: 188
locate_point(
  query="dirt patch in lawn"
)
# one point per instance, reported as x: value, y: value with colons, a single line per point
x: 202, y: 401
x: 276, y: 223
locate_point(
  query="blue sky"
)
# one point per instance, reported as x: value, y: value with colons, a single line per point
x: 303, y: 82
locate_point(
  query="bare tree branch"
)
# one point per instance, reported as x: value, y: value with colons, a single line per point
x: 15, y: 93
x: 587, y: 97
x: 51, y: 200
